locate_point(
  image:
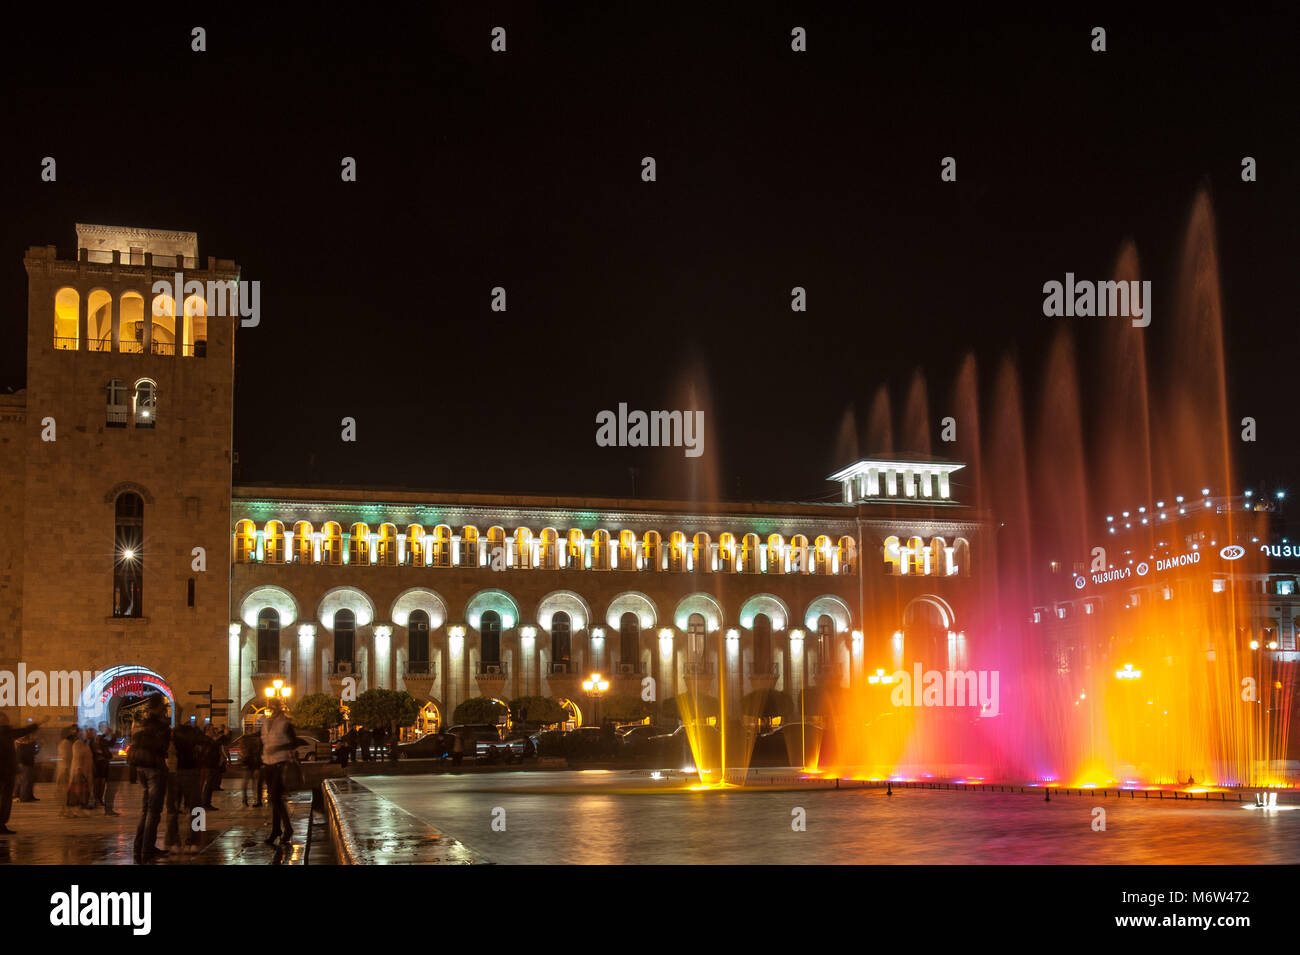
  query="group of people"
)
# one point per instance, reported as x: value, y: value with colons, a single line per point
x: 181, y: 768
x: 364, y: 742
x: 81, y: 781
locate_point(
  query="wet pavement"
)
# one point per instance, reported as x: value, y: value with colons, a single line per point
x: 234, y: 835
x: 373, y: 830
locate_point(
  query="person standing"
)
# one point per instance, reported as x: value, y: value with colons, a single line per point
x: 279, y: 743
x: 63, y: 775
x: 9, y: 767
x: 27, y: 751
x: 364, y: 738
x: 250, y: 755
x: 183, y: 787
x: 81, y: 773
x: 147, y: 759
x: 101, y: 752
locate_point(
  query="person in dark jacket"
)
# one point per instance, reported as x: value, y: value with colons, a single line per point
x: 101, y: 756
x: 9, y: 767
x: 183, y: 792
x: 214, y: 764
x: 364, y: 738
x: 148, y: 761
x: 250, y: 756
x: 27, y: 751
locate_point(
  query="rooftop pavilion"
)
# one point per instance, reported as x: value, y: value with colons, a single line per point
x: 919, y: 480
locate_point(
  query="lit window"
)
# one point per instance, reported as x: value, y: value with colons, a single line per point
x: 146, y: 403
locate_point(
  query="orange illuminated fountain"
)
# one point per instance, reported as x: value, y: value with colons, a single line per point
x: 1117, y: 619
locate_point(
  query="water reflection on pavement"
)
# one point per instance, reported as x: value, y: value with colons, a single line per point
x: 582, y: 821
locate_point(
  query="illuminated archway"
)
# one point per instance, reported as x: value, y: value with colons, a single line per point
x: 95, y: 705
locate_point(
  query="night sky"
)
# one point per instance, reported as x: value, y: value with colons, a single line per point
x: 775, y: 169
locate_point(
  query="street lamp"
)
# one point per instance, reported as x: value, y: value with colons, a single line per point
x: 277, y: 691
x: 594, y: 686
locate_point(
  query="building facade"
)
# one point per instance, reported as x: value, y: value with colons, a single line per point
x: 141, y: 565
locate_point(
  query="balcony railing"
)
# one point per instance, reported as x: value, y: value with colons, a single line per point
x: 162, y: 348
x: 267, y: 668
x: 130, y: 348
x: 491, y: 670
x: 697, y: 668
x: 421, y: 668
x: 62, y: 343
x: 761, y: 669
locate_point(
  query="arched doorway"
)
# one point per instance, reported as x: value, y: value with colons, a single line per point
x: 116, y: 694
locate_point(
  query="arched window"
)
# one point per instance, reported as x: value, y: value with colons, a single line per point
x: 749, y: 554
x: 775, y: 545
x: 577, y: 550
x: 893, y: 556
x: 468, y: 546
x: 359, y: 545
x: 561, y: 642
x: 387, y: 548
x: 302, y: 543
x: 331, y: 543
x: 415, y: 545
x: 118, y: 408
x: 629, y: 637
x: 273, y: 543
x: 762, y: 644
x: 130, y: 324
x: 245, y: 542
x: 523, y: 548
x: 677, y: 552
x: 128, y: 556
x: 345, y: 638
x: 696, y: 632
x: 146, y: 403
x: 600, y: 550
x: 99, y: 321
x: 701, y: 557
x: 961, y: 557
x: 848, y: 555
x: 548, y: 557
x: 67, y: 321
x: 825, y: 640
x: 496, y: 547
x: 442, y: 545
x: 626, y: 550
x: 799, y: 554
x: 195, y: 328
x: 162, y: 339
x: 268, y: 641
x: 490, y: 638
x: 822, y: 555
x: 727, y: 553
x: 650, y: 547
x: 417, y: 646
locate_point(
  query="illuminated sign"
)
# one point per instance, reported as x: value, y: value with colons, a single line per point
x: 1280, y: 550
x: 1233, y: 552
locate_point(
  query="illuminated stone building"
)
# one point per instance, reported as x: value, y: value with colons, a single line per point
x: 446, y: 596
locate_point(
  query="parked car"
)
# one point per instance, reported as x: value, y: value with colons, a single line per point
x: 309, y: 749
x: 636, y: 738
x: 429, y: 746
x: 675, y: 747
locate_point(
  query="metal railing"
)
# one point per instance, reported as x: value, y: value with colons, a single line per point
x: 116, y: 416
x: 130, y: 348
x: 761, y: 669
x: 64, y: 343
x: 162, y: 348
x: 492, y: 670
x: 697, y: 668
x: 421, y: 668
